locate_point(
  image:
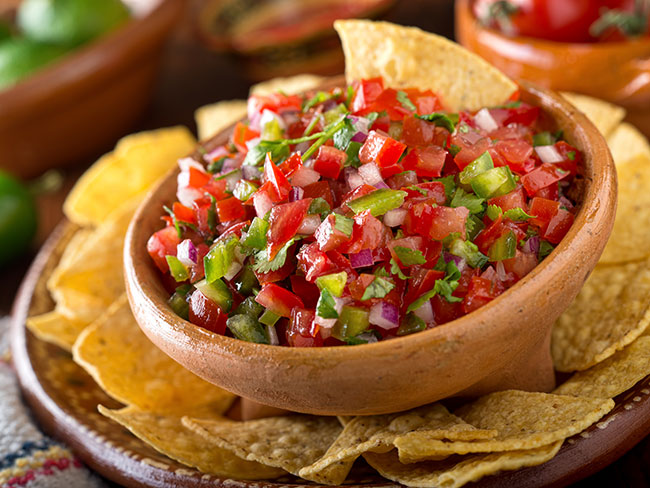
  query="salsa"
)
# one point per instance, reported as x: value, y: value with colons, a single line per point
x: 359, y: 214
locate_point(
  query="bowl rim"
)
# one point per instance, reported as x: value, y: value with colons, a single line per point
x: 94, y: 61
x: 592, y: 210
x: 463, y: 7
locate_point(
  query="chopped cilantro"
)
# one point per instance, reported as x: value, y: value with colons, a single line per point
x: 395, y: 270
x: 420, y: 190
x: 409, y: 257
x: 468, y: 200
x: 406, y: 102
x: 545, y: 249
x: 325, y: 307
x: 343, y: 137
x: 448, y: 121
x: 378, y: 288
x: 493, y: 212
x: 262, y: 263
x: 517, y: 214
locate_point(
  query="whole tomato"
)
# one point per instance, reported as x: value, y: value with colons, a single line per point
x: 563, y: 20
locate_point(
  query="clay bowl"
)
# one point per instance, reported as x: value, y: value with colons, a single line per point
x: 504, y: 344
x: 82, y: 103
x: 618, y: 72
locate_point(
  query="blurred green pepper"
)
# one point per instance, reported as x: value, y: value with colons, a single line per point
x: 18, y: 218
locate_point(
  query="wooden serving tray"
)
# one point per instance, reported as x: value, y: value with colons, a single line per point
x: 64, y: 399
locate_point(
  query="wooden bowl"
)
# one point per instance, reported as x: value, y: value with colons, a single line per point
x: 504, y: 344
x: 81, y: 104
x: 618, y: 72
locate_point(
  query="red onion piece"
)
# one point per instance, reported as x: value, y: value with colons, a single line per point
x: 370, y: 174
x: 304, y: 176
x: 353, y: 178
x: 395, y: 217
x: 359, y: 137
x: 425, y: 312
x: 458, y: 261
x: 384, y: 315
x: 230, y: 164
x: 485, y: 121
x: 296, y: 194
x: 309, y: 225
x: 187, y: 253
x: 250, y: 172
x: 262, y: 203
x: 531, y: 245
x: 362, y: 259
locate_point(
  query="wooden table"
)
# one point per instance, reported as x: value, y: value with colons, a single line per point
x: 193, y: 76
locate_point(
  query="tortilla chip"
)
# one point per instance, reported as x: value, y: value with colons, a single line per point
x: 524, y: 420
x: 215, y: 117
x: 86, y: 284
x: 131, y: 369
x: 610, y: 312
x: 613, y: 376
x: 410, y: 57
x: 604, y: 115
x: 291, y: 85
x: 290, y: 443
x: 455, y: 472
x: 138, y: 161
x: 627, y: 143
x: 377, y: 433
x: 167, y: 435
x: 628, y: 241
x: 56, y: 328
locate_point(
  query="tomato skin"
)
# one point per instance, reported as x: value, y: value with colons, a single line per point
x: 284, y: 222
x: 365, y: 94
x: 517, y: 154
x: 329, y: 161
x: 368, y: 232
x: 320, y: 189
x: 241, y: 135
x: 514, y: 199
x: 328, y: 236
x: 183, y: 213
x: 278, y: 300
x: 308, y: 292
x: 381, y: 149
x: 163, y: 243
x: 522, y: 264
x: 207, y: 314
x: 436, y: 222
x: 543, y: 210
x: 417, y: 132
x: 278, y: 186
x: 480, y: 291
x: 314, y: 263
x: 558, y: 226
x: 444, y: 311
x: 290, y: 165
x: 197, y: 178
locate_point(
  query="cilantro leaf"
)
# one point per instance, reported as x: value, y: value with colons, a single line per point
x: 378, y: 288
x: 262, y: 263
x: 395, y: 270
x: 468, y: 200
x: 408, y: 256
x: 325, y: 307
x: 256, y: 154
x: 517, y: 214
x: 319, y: 97
x: 406, y: 102
x: 450, y: 184
x: 319, y: 206
x: 343, y: 224
x: 493, y: 212
x: 545, y: 249
x: 343, y: 137
x: 448, y: 121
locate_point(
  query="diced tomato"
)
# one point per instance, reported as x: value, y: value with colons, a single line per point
x: 523, y: 114
x: 572, y: 158
x: 422, y: 281
x: 308, y: 292
x: 278, y: 300
x: 541, y: 177
x: 216, y: 188
x: 313, y: 262
x: 387, y: 102
x: 514, y: 199
x: 427, y: 162
x: 197, y: 271
x: 426, y: 101
x: 480, y: 291
x: 436, y: 222
x: 241, y: 135
x: 496, y: 229
x: 542, y: 210
x: 522, y: 264
x: 365, y: 94
x: 197, y: 178
x: 389, y: 171
x: 358, y: 287
x: 302, y: 330
x: 290, y: 165
x: 320, y: 189
x: 163, y: 243
x: 183, y: 213
x: 279, y: 274
x: 279, y: 187
x: 329, y: 161
x: 368, y: 232
x: 516, y: 153
x: 414, y: 243
x: 275, y: 102
x: 417, y: 132
x: 381, y: 149
x: 435, y: 192
x: 207, y: 314
x: 328, y: 236
x: 558, y: 226
x: 284, y: 222
x: 230, y: 209
x: 469, y: 151
x: 444, y: 311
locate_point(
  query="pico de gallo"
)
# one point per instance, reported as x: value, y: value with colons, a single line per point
x: 355, y: 215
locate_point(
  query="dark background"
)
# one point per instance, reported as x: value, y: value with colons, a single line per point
x: 193, y: 76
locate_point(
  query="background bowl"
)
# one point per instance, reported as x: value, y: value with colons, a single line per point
x: 618, y: 72
x: 82, y: 103
x: 504, y: 344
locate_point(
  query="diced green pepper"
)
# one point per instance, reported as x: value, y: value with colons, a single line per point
x: 504, y: 247
x: 177, y: 269
x: 248, y: 329
x: 494, y: 182
x: 219, y: 258
x: 410, y: 324
x: 352, y: 322
x: 543, y: 139
x: 334, y: 114
x: 178, y: 302
x: 343, y: 224
x: 249, y: 307
x: 334, y: 282
x: 218, y: 292
x: 269, y: 318
x: 272, y: 131
x: 245, y: 281
x: 319, y: 206
x: 480, y: 165
x: 378, y: 202
x: 244, y: 190
x: 255, y: 237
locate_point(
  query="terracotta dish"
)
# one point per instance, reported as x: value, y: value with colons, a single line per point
x: 618, y: 72
x: 80, y: 105
x: 504, y: 344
